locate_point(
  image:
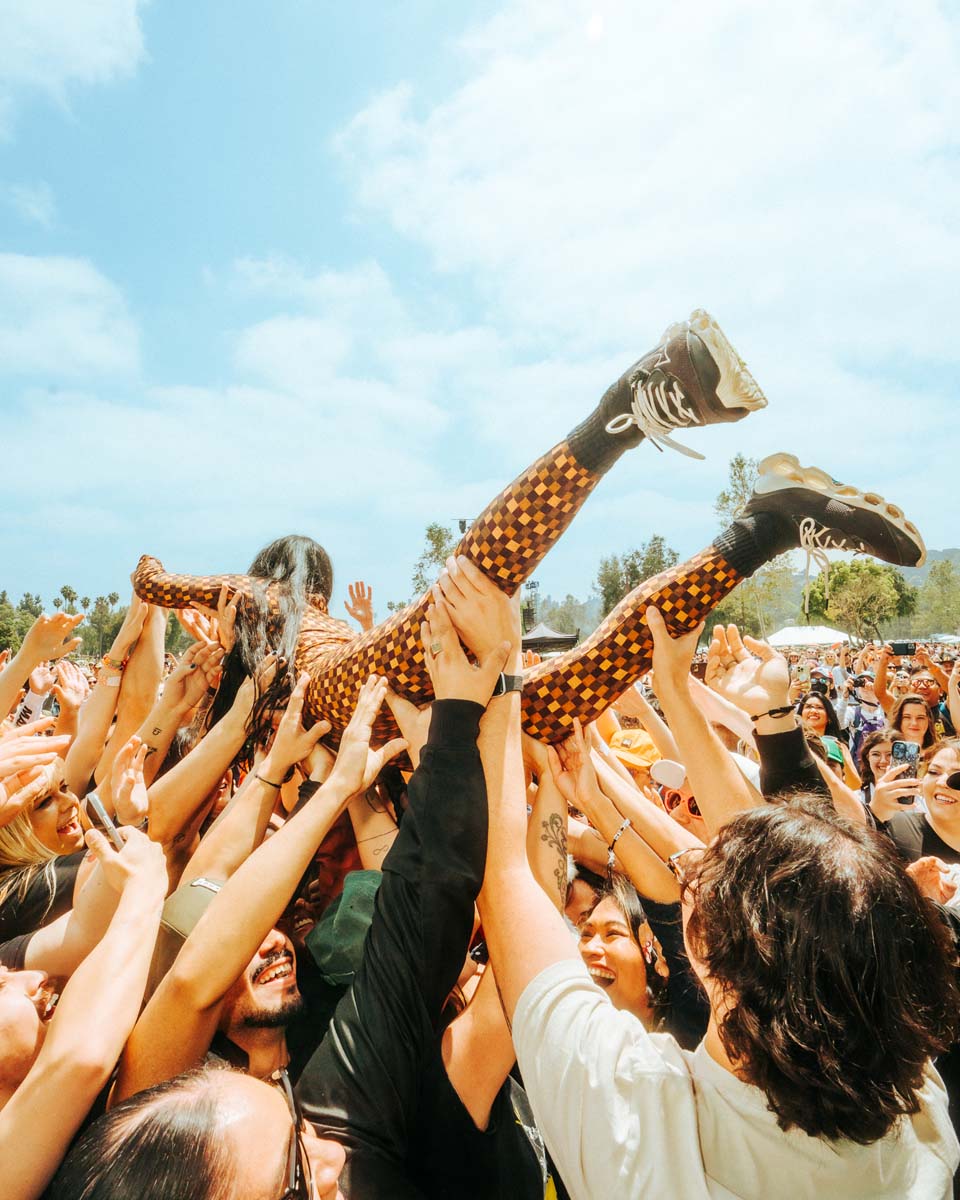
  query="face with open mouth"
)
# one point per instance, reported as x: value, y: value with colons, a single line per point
x: 27, y: 1003
x: 941, y: 787
x: 55, y: 821
x: 266, y: 995
x: 615, y: 960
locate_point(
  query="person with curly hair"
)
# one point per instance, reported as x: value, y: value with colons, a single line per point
x: 829, y: 976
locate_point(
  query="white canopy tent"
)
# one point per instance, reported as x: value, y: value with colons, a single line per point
x: 807, y: 635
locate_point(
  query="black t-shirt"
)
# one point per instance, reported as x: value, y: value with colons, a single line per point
x: 13, y: 953
x: 49, y: 896
x: 915, y: 837
x: 689, y: 1011
x: 377, y: 1082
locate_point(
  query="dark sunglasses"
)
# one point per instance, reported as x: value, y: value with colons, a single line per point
x: 299, y: 1179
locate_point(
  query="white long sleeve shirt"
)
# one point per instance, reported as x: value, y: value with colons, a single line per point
x: 626, y: 1113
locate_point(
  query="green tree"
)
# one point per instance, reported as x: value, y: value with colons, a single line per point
x: 938, y: 600
x: 864, y: 597
x: 58, y: 602
x: 439, y: 544
x: 30, y: 604
x: 85, y: 603
x: 756, y: 603
x: 96, y: 627
x: 113, y: 599
x: 69, y: 598
x: 568, y: 615
x: 619, y: 574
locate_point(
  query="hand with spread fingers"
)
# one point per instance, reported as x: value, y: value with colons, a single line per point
x: 71, y: 688
x: 292, y: 743
x: 574, y: 773
x: 25, y: 764
x: 452, y: 674
x: 197, y: 672
x: 360, y: 604
x: 127, y: 783
x: 357, y: 764
x: 51, y: 638
x: 481, y: 613
x: 747, y: 672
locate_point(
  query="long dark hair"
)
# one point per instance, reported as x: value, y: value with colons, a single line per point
x: 863, y: 761
x: 833, y: 725
x: 288, y: 575
x: 839, y: 975
x: 165, y: 1143
x: 621, y: 891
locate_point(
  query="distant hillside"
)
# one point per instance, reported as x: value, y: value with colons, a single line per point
x: 916, y: 575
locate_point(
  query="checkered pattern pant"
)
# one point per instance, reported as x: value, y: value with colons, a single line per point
x: 507, y: 542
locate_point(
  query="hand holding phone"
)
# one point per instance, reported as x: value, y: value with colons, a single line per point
x: 100, y: 819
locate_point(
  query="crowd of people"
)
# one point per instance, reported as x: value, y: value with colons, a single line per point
x: 696, y: 941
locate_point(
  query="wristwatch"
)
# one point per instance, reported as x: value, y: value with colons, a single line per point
x: 508, y: 683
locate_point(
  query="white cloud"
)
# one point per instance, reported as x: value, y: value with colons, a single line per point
x: 788, y: 166
x: 34, y: 202
x: 47, y: 45
x: 60, y: 318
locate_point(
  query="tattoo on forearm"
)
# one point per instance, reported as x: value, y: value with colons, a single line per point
x: 158, y: 730
x: 150, y: 750
x: 555, y: 836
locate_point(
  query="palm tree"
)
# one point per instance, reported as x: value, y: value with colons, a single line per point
x: 70, y: 597
x: 113, y: 599
x: 57, y: 603
x: 85, y: 603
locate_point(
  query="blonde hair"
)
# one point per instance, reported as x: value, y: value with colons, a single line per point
x: 23, y: 860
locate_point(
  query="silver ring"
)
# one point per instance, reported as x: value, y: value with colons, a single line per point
x: 435, y: 648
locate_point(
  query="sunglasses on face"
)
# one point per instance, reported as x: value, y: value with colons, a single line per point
x: 299, y: 1179
x: 671, y: 799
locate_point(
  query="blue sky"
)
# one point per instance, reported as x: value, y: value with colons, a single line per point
x: 345, y: 270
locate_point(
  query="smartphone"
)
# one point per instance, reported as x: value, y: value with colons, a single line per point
x: 803, y: 672
x: 101, y: 820
x: 901, y: 648
x: 905, y: 752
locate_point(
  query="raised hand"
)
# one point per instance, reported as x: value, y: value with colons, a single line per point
x: 199, y: 625
x: 198, y: 670
x: 452, y: 675
x: 358, y: 765
x: 573, y: 771
x: 128, y: 786
x: 42, y: 679
x: 413, y: 723
x: 672, y: 656
x: 26, y: 762
x: 50, y: 638
x: 71, y: 688
x: 292, y: 743
x: 755, y: 682
x: 481, y: 613
x: 360, y: 604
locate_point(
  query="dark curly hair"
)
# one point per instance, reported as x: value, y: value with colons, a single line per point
x: 837, y: 974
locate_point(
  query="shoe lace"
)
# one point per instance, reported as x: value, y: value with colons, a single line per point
x: 815, y: 541
x: 657, y: 409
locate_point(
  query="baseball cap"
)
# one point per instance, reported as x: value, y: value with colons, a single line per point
x: 634, y: 748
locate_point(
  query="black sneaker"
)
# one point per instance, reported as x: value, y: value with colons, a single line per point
x: 693, y: 377
x: 827, y: 515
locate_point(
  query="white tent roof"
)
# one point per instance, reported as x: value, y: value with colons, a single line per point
x: 807, y: 635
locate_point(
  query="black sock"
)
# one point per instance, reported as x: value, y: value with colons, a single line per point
x: 750, y: 542
x: 591, y: 445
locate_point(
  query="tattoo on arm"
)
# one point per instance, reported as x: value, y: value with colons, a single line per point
x: 157, y: 731
x: 555, y: 836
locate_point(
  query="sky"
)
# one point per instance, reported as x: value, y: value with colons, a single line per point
x: 345, y: 270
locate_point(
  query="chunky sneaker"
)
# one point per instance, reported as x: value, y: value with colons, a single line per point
x: 827, y: 515
x: 693, y: 377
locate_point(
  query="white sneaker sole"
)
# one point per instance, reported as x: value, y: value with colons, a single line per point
x: 737, y: 387
x: 777, y: 472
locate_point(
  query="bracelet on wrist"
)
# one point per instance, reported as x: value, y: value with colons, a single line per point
x: 115, y: 664
x: 774, y: 712
x: 268, y: 782
x: 611, y: 849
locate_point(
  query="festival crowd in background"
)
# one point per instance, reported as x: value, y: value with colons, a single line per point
x: 703, y: 944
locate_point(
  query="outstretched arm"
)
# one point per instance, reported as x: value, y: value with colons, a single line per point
x: 78, y: 1054
x: 716, y: 780
x: 181, y: 1017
